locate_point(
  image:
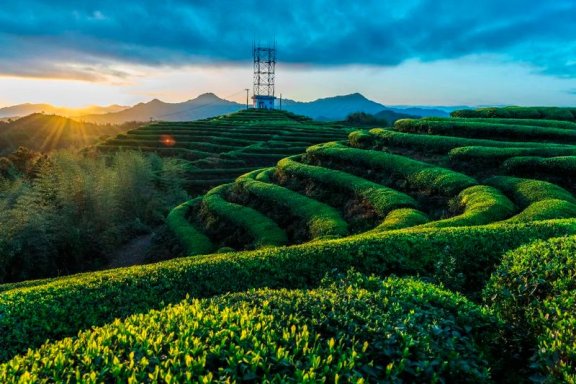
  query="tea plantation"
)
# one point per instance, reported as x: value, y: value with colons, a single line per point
x: 437, y: 250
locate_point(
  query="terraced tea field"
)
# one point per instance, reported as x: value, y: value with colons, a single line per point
x: 220, y: 149
x: 454, y: 218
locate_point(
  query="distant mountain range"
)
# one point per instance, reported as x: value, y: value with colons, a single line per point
x: 209, y: 105
x: 28, y: 109
x: 42, y: 132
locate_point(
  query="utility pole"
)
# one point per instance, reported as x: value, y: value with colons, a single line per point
x: 280, y: 101
x: 247, y: 90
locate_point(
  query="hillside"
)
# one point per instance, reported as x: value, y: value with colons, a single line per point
x: 220, y: 149
x: 20, y: 110
x: 454, y: 217
x: 43, y: 132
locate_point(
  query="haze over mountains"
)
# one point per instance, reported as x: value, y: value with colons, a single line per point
x: 209, y: 105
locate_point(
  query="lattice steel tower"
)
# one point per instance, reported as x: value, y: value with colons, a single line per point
x: 264, y: 67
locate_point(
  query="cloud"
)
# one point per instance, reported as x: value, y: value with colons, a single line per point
x: 89, y: 40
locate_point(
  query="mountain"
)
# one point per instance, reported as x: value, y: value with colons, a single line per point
x: 43, y: 132
x: 20, y: 110
x: 422, y: 111
x: 390, y: 116
x: 333, y: 108
x: 204, y: 106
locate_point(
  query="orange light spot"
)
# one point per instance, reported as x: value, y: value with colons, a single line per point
x: 167, y: 140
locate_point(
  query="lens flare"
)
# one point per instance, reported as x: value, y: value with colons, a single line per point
x: 167, y: 140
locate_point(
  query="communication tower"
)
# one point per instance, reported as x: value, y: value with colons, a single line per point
x: 264, y: 67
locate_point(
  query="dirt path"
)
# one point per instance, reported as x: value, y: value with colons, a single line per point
x: 132, y: 253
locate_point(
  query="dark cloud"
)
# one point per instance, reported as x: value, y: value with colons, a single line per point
x: 83, y: 38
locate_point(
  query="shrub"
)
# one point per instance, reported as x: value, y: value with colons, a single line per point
x: 321, y: 220
x: 479, y: 155
x: 548, y: 113
x: 527, y: 191
x: 192, y: 239
x: 559, y: 166
x: 402, y: 218
x: 418, y: 175
x: 482, y: 205
x: 546, y: 210
x: 356, y: 330
x: 461, y: 258
x: 432, y: 143
x: 264, y: 231
x: 530, y: 122
x: 534, y: 290
x: 484, y: 130
x: 382, y: 199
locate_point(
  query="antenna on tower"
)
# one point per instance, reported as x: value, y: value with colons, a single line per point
x: 264, y: 76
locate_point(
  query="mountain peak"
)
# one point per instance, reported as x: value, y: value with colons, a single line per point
x: 207, y: 95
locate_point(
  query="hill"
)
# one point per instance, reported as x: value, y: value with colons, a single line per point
x: 218, y: 150
x: 204, y: 106
x: 42, y: 132
x: 21, y: 110
x: 455, y: 217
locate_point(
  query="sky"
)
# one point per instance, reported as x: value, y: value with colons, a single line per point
x: 397, y: 52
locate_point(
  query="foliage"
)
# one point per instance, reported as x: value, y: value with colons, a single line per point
x: 402, y: 218
x: 72, y: 211
x: 364, y: 119
x: 321, y: 220
x: 418, y: 175
x: 435, y: 143
x: 485, y: 129
x: 546, y: 210
x: 193, y: 240
x: 382, y: 199
x: 461, y: 258
x: 547, y: 113
x: 534, y: 290
x: 356, y: 330
x: 263, y: 231
x: 559, y: 166
x: 481, y: 204
x: 527, y: 191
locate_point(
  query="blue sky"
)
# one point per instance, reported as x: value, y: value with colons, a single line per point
x: 397, y: 52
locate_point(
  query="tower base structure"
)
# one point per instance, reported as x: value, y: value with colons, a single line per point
x: 263, y: 101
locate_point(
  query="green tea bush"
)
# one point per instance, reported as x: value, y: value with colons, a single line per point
x: 192, y: 239
x: 547, y: 113
x: 382, y: 199
x: 263, y: 230
x: 559, y: 166
x: 546, y: 210
x: 485, y: 130
x: 437, y: 143
x: 527, y: 191
x: 479, y: 155
x: 481, y: 204
x: 357, y: 330
x: 460, y: 258
x: 418, y: 175
x: 534, y: 290
x: 402, y: 218
x: 530, y: 122
x: 321, y: 220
